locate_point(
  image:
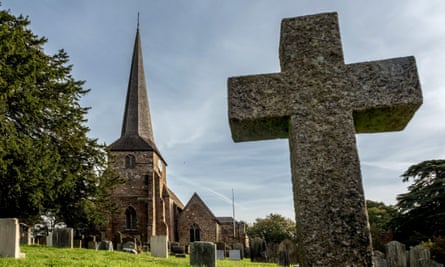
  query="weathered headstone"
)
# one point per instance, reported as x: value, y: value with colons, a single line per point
x: 319, y: 103
x: 239, y: 247
x: 395, y: 254
x: 117, y: 241
x: 91, y: 242
x: 257, y: 250
x: 63, y: 237
x: 105, y: 245
x: 159, y: 246
x: 203, y: 254
x: 9, y: 238
x: 220, y: 254
x: 25, y: 234
x: 130, y: 246
x: 235, y: 254
x: 379, y: 259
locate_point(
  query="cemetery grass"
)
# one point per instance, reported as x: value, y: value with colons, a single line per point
x: 37, y: 255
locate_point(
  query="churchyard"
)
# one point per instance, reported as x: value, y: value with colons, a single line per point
x: 38, y: 255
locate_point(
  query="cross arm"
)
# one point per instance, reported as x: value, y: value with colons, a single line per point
x: 258, y: 107
x: 387, y: 94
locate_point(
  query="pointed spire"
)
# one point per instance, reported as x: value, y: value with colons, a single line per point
x: 137, y: 132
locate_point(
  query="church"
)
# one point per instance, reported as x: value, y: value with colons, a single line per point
x: 146, y: 206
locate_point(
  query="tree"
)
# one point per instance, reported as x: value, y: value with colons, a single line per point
x: 380, y: 216
x: 47, y: 162
x: 422, y: 208
x: 273, y: 229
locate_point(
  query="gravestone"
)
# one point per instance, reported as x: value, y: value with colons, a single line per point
x: 220, y: 254
x: 130, y: 247
x: 10, y: 238
x: 117, y: 241
x: 379, y: 259
x: 319, y: 103
x: 257, y: 250
x: 159, y: 246
x: 395, y: 254
x: 25, y: 234
x: 235, y: 254
x: 62, y: 237
x: 240, y: 247
x: 49, y: 239
x: 105, y: 245
x: 203, y: 254
x: 91, y: 242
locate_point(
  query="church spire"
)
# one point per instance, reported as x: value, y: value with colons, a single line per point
x: 137, y: 132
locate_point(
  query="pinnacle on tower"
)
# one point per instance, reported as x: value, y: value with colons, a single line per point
x: 137, y: 132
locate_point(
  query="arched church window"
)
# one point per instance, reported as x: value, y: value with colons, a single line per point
x: 195, y: 233
x: 130, y: 161
x: 130, y: 218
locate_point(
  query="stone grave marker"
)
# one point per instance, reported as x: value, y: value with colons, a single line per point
x: 49, y: 239
x: 319, y: 103
x: 235, y: 254
x: 220, y: 254
x: 62, y: 237
x: 379, y: 259
x: 105, y: 245
x: 91, y: 242
x: 395, y: 254
x: 203, y: 254
x: 130, y: 247
x: 25, y: 234
x: 117, y: 241
x: 240, y: 247
x: 159, y: 246
x: 10, y: 238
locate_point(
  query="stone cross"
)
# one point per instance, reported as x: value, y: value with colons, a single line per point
x: 319, y: 103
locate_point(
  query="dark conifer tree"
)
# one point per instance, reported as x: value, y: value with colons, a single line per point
x: 47, y: 161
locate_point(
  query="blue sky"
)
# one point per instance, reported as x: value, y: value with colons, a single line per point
x: 191, y: 47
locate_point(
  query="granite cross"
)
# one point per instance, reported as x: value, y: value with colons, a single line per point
x: 319, y: 103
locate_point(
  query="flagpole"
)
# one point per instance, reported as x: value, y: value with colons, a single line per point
x: 233, y: 209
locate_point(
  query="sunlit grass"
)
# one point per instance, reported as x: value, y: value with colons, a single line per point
x: 55, y: 257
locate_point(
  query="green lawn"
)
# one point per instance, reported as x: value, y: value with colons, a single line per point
x: 49, y: 257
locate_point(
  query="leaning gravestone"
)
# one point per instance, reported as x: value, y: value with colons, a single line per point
x: 159, y: 246
x: 130, y: 247
x: 63, y: 237
x: 319, y: 103
x: 10, y: 239
x: 203, y: 254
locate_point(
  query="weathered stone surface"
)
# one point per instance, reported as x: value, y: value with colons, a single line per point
x: 319, y: 103
x: 395, y: 254
x: 203, y: 254
x: 10, y: 239
x: 159, y: 246
x: 379, y: 259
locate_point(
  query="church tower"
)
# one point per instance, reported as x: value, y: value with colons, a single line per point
x: 145, y: 205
